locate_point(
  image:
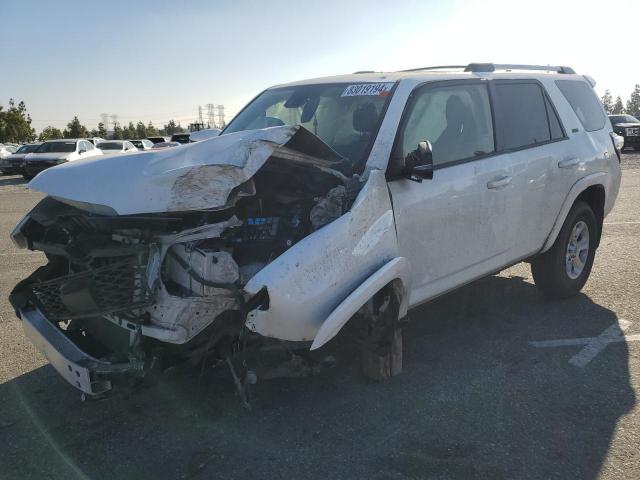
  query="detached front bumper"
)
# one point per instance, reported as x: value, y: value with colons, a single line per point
x: 80, y: 369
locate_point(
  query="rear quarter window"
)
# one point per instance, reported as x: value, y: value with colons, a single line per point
x: 584, y: 103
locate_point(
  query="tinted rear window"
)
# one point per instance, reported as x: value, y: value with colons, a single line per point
x: 57, y: 147
x: 584, y: 103
x: 110, y: 146
x: 521, y: 115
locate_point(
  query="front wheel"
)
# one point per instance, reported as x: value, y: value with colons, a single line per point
x: 563, y: 270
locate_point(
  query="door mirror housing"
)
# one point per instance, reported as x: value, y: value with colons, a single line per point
x: 418, y: 165
x: 82, y: 150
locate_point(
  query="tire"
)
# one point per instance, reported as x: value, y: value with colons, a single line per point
x: 554, y: 272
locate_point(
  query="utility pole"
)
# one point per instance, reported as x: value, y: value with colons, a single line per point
x: 105, y: 120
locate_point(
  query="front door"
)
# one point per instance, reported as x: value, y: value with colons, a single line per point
x: 461, y: 224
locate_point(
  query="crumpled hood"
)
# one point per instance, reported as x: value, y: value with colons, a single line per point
x: 194, y: 176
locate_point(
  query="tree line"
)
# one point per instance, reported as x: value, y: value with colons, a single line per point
x: 617, y: 107
x: 129, y: 132
x: 15, y: 127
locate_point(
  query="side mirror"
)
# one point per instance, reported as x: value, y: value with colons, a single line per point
x: 81, y: 151
x: 419, y: 163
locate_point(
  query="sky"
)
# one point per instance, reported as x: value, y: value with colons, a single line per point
x: 158, y: 60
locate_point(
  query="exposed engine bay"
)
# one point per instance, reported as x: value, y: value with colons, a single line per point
x: 148, y: 290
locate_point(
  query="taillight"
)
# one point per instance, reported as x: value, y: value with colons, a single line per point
x: 618, y: 144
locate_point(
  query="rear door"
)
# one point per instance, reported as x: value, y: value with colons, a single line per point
x: 529, y: 130
x: 462, y: 224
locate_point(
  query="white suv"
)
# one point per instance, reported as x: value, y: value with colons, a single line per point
x: 328, y: 201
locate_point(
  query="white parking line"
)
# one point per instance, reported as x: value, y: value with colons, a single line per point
x: 622, y: 223
x: 592, y: 346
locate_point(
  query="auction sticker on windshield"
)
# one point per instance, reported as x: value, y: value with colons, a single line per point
x: 368, y: 89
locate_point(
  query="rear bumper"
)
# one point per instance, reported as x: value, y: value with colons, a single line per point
x: 10, y: 168
x: 80, y: 369
x: 32, y: 169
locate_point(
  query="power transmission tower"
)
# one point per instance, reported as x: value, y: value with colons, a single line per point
x: 200, y: 121
x: 211, y: 115
x: 221, y: 123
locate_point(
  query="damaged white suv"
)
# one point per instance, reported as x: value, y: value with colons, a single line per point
x: 335, y: 200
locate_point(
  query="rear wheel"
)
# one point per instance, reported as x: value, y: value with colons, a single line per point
x: 564, y: 269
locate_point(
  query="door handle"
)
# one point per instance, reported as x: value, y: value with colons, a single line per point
x: 569, y: 162
x: 499, y: 182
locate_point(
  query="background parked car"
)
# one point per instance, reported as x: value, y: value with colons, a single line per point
x: 181, y: 137
x: 627, y: 126
x: 204, y: 134
x: 114, y: 147
x: 161, y: 145
x: 55, y: 152
x: 12, y: 164
x: 6, y: 150
x: 142, y: 144
x: 158, y: 139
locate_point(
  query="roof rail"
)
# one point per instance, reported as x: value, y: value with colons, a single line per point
x: 490, y: 67
x: 440, y: 67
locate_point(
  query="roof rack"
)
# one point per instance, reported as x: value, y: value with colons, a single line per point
x: 490, y: 67
x: 439, y: 67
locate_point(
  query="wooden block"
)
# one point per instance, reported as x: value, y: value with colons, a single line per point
x: 386, y: 361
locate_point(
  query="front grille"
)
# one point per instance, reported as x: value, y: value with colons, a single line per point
x: 112, y: 288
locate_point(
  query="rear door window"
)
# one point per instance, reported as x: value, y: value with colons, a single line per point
x: 584, y: 102
x: 521, y: 115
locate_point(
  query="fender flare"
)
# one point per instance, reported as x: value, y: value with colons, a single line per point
x: 396, y: 269
x: 580, y: 186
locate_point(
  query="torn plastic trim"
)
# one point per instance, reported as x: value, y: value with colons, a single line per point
x: 196, y: 176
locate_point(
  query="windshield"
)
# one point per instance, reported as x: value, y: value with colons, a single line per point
x: 57, y: 147
x: 345, y: 116
x: 27, y: 148
x: 109, y: 146
x: 137, y: 143
x: 623, y: 119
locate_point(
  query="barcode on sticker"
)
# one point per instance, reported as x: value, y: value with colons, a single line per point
x: 368, y: 89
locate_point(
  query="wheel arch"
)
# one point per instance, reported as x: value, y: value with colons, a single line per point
x: 590, y: 189
x: 395, y: 275
x: 595, y: 197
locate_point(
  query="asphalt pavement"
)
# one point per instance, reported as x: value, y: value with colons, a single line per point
x: 498, y: 383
